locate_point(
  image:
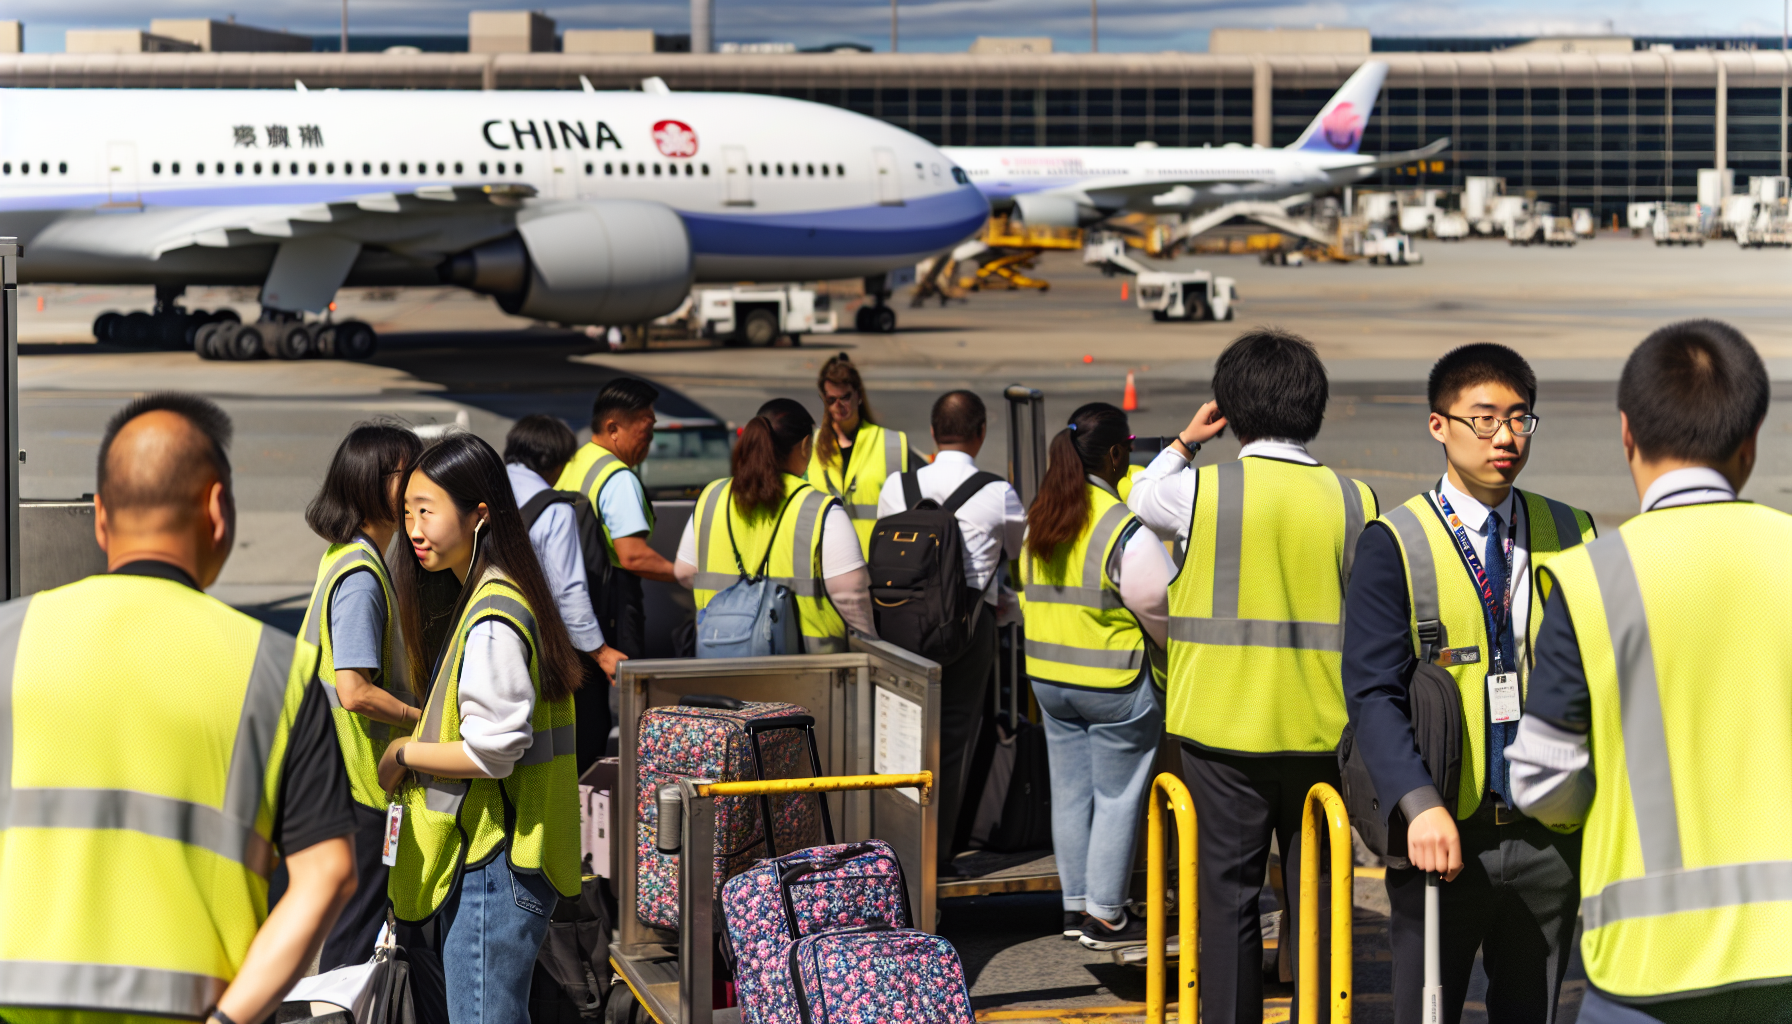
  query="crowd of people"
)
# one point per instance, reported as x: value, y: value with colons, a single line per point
x: 1611, y: 751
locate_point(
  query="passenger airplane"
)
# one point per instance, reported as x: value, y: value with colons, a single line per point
x: 592, y: 207
x: 1071, y: 187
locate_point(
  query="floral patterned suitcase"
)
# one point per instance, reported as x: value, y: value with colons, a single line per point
x: 836, y: 918
x: 727, y: 740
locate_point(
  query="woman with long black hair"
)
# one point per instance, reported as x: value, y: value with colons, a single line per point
x: 765, y: 519
x: 352, y: 618
x: 487, y: 783
x: 1096, y: 598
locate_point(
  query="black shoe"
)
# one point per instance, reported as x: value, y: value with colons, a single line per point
x: 1097, y: 934
x: 1073, y: 924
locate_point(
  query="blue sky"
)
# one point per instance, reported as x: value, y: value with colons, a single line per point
x: 950, y: 25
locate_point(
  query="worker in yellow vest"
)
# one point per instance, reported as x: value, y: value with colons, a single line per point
x: 136, y: 838
x: 1255, y: 689
x: 1094, y: 590
x: 853, y: 456
x: 1451, y: 577
x: 353, y: 618
x: 487, y: 786
x: 604, y: 471
x: 1659, y: 717
x: 765, y: 519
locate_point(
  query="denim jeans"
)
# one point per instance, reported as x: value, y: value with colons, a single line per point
x: 1102, y: 745
x: 486, y: 938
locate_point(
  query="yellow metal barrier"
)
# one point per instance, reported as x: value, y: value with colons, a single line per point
x: 1168, y: 790
x: 1329, y: 803
x: 826, y: 783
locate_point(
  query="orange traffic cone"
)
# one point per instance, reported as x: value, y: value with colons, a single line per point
x: 1129, y: 402
x: 1123, y: 285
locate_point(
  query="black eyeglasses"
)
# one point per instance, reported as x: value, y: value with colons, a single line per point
x: 1485, y: 427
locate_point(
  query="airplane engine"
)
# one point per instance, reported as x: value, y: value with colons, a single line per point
x: 609, y: 262
x: 1055, y: 211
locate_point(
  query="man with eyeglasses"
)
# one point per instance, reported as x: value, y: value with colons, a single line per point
x: 1448, y: 578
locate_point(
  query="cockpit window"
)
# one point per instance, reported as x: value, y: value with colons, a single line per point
x: 959, y: 176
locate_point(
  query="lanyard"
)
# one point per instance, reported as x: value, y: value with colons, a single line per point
x: 1497, y: 613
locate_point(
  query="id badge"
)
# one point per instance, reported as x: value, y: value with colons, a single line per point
x: 389, y: 849
x: 1502, y: 696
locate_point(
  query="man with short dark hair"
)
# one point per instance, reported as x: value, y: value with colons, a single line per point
x: 991, y: 523
x: 1255, y: 627
x: 138, y: 831
x: 1659, y: 716
x: 1447, y: 578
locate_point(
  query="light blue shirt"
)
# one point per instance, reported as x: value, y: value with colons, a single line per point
x: 555, y: 538
x: 358, y: 623
x: 622, y: 503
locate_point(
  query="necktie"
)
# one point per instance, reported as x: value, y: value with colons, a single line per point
x: 1499, y: 734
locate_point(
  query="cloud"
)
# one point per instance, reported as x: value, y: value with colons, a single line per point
x: 1147, y: 25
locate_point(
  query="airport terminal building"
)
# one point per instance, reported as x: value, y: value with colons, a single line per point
x: 1598, y: 129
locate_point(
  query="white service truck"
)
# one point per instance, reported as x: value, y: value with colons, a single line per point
x: 757, y: 315
x: 1194, y: 295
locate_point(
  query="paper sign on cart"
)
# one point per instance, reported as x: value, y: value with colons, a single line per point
x: 898, y: 748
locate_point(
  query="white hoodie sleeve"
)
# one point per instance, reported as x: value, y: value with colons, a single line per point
x: 497, y: 698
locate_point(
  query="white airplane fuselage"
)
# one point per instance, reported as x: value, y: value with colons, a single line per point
x: 178, y: 186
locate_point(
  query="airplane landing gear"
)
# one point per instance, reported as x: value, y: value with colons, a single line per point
x: 284, y: 335
x: 168, y: 327
x: 877, y: 318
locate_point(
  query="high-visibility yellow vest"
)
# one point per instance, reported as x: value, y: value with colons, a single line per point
x: 1449, y: 622
x: 876, y: 453
x: 795, y: 560
x: 363, y: 740
x: 1078, y: 631
x: 147, y: 726
x: 1686, y: 857
x: 592, y: 467
x: 1257, y: 613
x: 1124, y: 487
x: 451, y: 824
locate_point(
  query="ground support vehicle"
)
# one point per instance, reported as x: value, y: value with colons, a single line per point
x: 1679, y: 224
x: 1391, y: 250
x: 1194, y: 295
x: 758, y: 315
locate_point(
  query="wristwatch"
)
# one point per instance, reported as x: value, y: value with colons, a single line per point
x: 399, y: 757
x: 1192, y: 448
x: 220, y: 1016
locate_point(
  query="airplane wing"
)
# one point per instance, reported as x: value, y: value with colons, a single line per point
x: 1396, y: 159
x: 1124, y: 192
x: 422, y: 218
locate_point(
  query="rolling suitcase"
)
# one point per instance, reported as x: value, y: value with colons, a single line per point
x: 727, y: 740
x: 821, y: 936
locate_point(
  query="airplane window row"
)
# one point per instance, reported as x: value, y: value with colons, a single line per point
x: 797, y: 170
x: 329, y: 167
x: 43, y: 167
x: 640, y: 170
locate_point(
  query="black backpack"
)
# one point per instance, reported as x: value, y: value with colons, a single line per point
x: 916, y: 558
x: 591, y: 534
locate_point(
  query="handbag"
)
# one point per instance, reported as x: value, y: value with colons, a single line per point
x: 376, y: 992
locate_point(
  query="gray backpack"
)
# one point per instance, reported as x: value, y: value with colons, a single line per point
x: 754, y: 617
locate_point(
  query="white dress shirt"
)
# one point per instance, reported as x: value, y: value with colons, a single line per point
x: 1163, y: 494
x: 992, y: 522
x: 555, y: 538
x: 1552, y: 777
x: 1518, y: 569
x: 1141, y: 570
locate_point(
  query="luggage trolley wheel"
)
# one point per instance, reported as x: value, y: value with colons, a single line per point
x: 622, y: 1007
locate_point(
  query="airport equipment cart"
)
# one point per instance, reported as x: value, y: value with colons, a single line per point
x: 877, y: 714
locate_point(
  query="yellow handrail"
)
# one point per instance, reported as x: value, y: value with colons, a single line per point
x: 1343, y: 902
x: 1168, y: 789
x: 821, y: 784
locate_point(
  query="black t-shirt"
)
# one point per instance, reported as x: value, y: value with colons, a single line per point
x: 313, y: 803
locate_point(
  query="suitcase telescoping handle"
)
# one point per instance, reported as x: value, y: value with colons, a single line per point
x: 807, y: 724
x: 1432, y: 1011
x: 809, y: 867
x: 711, y: 700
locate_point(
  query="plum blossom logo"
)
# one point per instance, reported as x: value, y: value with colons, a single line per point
x: 1343, y: 127
x: 675, y: 138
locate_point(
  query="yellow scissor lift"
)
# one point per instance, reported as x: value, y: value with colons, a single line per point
x: 1015, y: 247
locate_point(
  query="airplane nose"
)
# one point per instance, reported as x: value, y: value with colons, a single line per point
x: 948, y: 218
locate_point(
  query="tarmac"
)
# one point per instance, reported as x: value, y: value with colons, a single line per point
x: 450, y: 357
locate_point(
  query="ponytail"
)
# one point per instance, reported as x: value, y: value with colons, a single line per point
x: 765, y: 445
x: 840, y: 372
x: 1060, y: 510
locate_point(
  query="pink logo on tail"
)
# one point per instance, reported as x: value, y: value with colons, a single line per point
x: 1343, y: 128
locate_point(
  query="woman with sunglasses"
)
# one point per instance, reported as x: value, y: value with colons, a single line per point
x: 1095, y: 590
x: 853, y: 456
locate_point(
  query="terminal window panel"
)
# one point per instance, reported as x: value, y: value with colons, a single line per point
x: 1755, y: 136
x: 1751, y: 102
x: 1691, y: 101
x: 1614, y: 102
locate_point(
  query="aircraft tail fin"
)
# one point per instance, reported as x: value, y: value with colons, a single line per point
x: 1339, y: 126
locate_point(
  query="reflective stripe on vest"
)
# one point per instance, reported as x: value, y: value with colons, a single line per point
x: 858, y: 485
x: 533, y: 813
x: 363, y: 740
x: 590, y: 471
x: 1078, y: 631
x: 143, y: 821
x: 1686, y: 866
x: 794, y: 557
x: 1256, y: 628
x: 1448, y: 621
